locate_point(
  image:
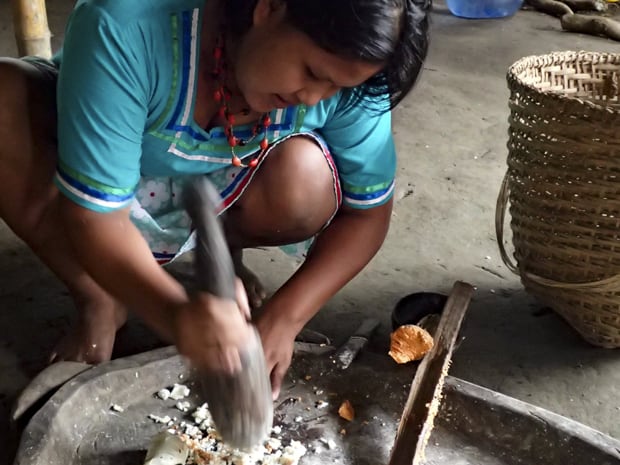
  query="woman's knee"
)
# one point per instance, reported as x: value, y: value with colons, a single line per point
x: 298, y: 183
x: 13, y: 94
x: 27, y: 98
x: 291, y: 197
x: 27, y: 152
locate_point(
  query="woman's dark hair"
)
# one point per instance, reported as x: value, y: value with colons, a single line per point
x: 394, y: 32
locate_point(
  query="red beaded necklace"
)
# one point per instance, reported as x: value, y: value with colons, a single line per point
x: 222, y: 95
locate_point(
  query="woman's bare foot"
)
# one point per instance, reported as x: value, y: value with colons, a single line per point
x: 253, y: 287
x: 91, y: 338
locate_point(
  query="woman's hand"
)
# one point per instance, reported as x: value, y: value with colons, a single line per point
x: 278, y: 339
x: 338, y: 254
x: 211, y: 331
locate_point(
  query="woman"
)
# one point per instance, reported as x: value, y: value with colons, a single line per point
x: 284, y: 104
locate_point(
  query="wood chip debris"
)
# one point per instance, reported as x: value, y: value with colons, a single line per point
x: 346, y: 411
x: 183, y: 405
x: 179, y: 391
x: 330, y: 443
x: 163, y: 394
x: 321, y: 404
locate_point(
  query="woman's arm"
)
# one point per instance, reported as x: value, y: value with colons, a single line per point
x: 206, y: 329
x: 339, y: 254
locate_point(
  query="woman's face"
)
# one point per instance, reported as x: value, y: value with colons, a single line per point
x: 277, y: 65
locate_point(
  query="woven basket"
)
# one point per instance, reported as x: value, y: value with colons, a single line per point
x: 563, y: 186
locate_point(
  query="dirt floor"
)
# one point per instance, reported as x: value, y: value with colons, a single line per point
x: 451, y: 134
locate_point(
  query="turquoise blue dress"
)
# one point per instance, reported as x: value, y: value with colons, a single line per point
x: 126, y: 133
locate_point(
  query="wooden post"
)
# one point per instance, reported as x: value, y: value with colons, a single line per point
x: 31, y: 30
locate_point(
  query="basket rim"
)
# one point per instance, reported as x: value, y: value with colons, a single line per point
x: 557, y: 57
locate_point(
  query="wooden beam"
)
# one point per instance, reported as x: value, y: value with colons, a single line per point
x: 31, y: 29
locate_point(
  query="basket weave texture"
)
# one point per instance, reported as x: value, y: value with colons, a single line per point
x: 563, y: 187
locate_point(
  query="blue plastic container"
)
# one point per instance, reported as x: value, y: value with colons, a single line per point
x: 482, y: 9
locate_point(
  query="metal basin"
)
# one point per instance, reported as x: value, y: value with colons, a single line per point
x: 475, y: 426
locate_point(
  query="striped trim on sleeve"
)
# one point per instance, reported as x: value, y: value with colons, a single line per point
x: 367, y: 197
x: 91, y: 194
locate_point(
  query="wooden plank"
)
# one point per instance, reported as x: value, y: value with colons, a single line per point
x: 31, y: 29
x: 425, y: 394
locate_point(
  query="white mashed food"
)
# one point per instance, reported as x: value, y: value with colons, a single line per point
x: 206, y: 447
